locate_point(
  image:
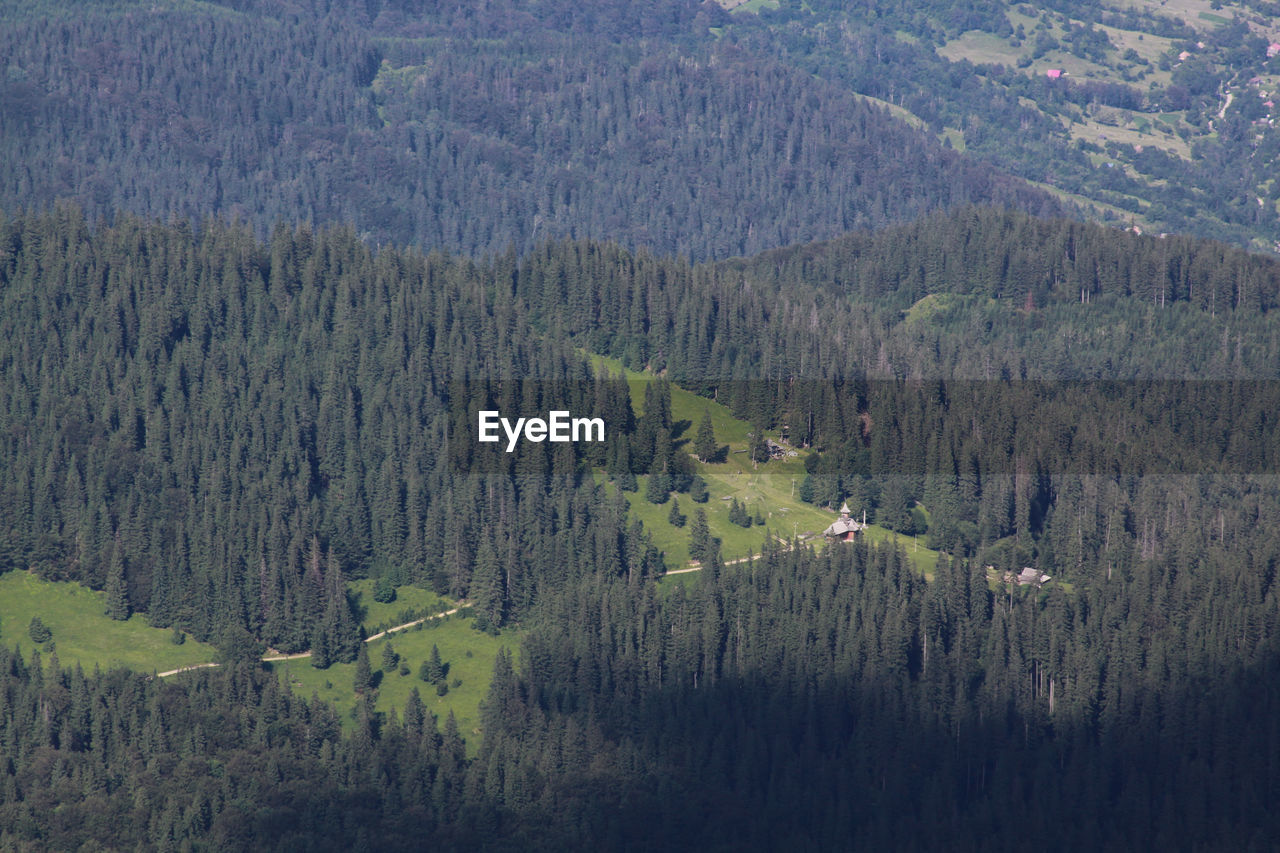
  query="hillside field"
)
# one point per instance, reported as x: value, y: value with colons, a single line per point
x: 768, y: 488
x: 82, y: 632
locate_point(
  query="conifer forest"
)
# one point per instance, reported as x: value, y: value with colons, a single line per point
x: 263, y: 263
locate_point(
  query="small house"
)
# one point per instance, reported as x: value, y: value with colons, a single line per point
x: 844, y: 528
x: 1032, y: 576
x: 776, y: 450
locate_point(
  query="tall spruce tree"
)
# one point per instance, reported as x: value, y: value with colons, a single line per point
x: 658, y: 489
x: 704, y: 443
x: 117, y: 592
x: 675, y: 517
x: 698, y: 491
x: 487, y: 588
x: 363, y: 678
x: 699, y: 535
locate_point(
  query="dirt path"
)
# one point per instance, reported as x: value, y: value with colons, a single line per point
x: 695, y: 566
x: 381, y: 634
x: 184, y: 669
x: 378, y: 636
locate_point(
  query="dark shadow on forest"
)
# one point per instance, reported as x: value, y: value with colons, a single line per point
x: 759, y: 763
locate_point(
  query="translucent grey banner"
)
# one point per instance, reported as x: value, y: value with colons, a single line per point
x: 881, y: 428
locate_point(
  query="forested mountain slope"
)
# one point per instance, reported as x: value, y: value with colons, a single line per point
x: 1156, y: 113
x: 316, y: 397
x: 448, y: 126
x: 813, y: 702
x: 220, y: 420
x: 220, y: 429
x: 978, y: 294
x: 225, y: 429
x: 677, y: 126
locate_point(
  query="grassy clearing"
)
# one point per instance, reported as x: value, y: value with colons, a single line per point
x: 469, y: 654
x: 982, y: 48
x: 1150, y: 47
x: 768, y: 488
x: 956, y: 135
x: 748, y: 5
x: 1097, y: 207
x: 766, y: 493
x: 1128, y: 132
x: 931, y: 306
x: 410, y: 603
x: 83, y: 633
x: 896, y: 111
x: 1198, y: 14
x: 1074, y: 67
x: 915, y: 548
x: 1201, y: 14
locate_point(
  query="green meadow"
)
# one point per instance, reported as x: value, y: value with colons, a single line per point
x: 82, y: 632
x: 410, y: 603
x: 767, y: 489
x: 469, y: 655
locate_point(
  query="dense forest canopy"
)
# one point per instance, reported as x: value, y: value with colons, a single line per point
x: 261, y: 264
x: 233, y: 426
x: 460, y: 127
x: 1157, y: 113
x: 220, y: 430
x: 315, y: 396
x: 673, y: 126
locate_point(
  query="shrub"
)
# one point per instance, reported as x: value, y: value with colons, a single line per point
x: 39, y: 631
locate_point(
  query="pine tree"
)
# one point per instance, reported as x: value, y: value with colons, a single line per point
x: 38, y: 631
x: 676, y: 518
x: 364, y: 671
x: 704, y: 444
x: 432, y: 670
x: 320, y: 654
x: 699, y: 535
x: 806, y: 490
x: 389, y: 658
x: 502, y: 709
x: 415, y: 713
x: 658, y: 489
x: 625, y: 477
x: 117, y: 588
x: 237, y: 646
x: 384, y: 591
x: 698, y: 491
x: 487, y: 587
x: 759, y: 450
x: 342, y: 632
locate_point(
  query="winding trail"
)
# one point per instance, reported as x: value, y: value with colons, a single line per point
x: 268, y: 658
x: 185, y: 669
x: 381, y: 634
x: 695, y: 566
